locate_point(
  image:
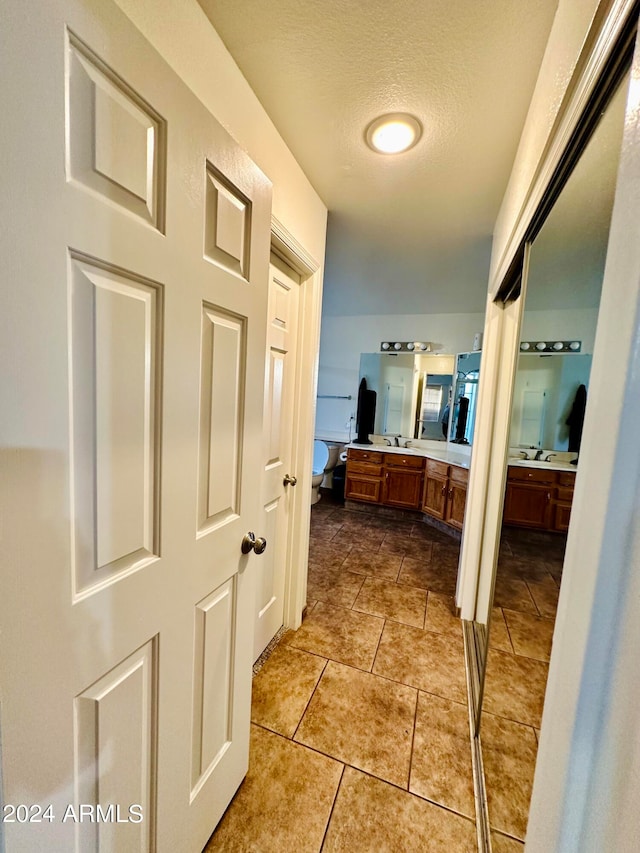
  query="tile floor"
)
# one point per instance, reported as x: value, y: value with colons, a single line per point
x: 525, y: 602
x: 360, y: 732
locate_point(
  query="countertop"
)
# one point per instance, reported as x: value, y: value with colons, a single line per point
x: 551, y: 466
x: 451, y: 457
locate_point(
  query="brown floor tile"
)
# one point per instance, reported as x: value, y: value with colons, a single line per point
x: 441, y: 764
x: 340, y: 634
x: 361, y: 562
x: 514, y: 687
x: 333, y: 586
x: 283, y: 687
x: 498, y: 634
x: 522, y: 568
x: 370, y: 815
x: 284, y: 802
x: 393, y: 601
x: 545, y: 594
x: 446, y: 555
x: 366, y: 540
x: 503, y: 844
x: 441, y: 616
x: 362, y: 720
x: 426, y: 575
x: 324, y: 532
x: 432, y: 662
x: 509, y: 758
x: 326, y: 555
x: 514, y: 594
x: 531, y: 635
x: 407, y: 546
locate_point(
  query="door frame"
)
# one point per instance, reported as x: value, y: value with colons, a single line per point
x: 286, y: 247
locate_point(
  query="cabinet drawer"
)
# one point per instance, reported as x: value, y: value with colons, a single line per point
x: 437, y: 469
x: 369, y: 468
x: 564, y: 494
x: 397, y: 460
x: 459, y: 475
x: 362, y: 488
x: 566, y: 478
x: 534, y: 475
x: 364, y: 456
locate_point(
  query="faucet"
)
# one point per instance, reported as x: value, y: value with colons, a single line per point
x: 524, y: 454
x: 538, y: 456
x: 549, y: 455
x: 387, y: 442
x: 395, y: 438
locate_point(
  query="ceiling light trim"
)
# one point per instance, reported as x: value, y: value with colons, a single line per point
x: 408, y: 129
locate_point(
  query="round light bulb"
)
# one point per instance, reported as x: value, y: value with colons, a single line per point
x: 393, y: 133
x: 397, y: 346
x: 411, y: 346
x: 385, y: 345
x: 558, y: 346
x: 525, y: 346
x: 541, y: 345
x: 574, y: 345
x: 423, y: 347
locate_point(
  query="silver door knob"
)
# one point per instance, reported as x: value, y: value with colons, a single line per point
x: 289, y: 480
x: 250, y: 543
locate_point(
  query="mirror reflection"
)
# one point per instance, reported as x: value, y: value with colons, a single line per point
x: 463, y: 417
x: 562, y: 297
x: 413, y: 393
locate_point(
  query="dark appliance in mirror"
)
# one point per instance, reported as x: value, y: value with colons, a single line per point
x: 366, y: 414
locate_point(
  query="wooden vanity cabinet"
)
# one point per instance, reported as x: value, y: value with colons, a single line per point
x: 563, y: 501
x: 436, y: 486
x: 538, y: 498
x: 402, y: 480
x: 364, y: 476
x: 456, y: 496
x: 445, y: 492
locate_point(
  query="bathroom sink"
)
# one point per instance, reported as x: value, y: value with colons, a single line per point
x: 533, y: 463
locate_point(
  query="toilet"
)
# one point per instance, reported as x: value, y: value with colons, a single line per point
x: 320, y: 460
x: 325, y: 458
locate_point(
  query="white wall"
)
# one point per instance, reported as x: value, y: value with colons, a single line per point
x: 344, y: 338
x: 578, y: 324
x: 181, y: 32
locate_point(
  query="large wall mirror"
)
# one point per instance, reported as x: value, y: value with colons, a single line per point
x: 414, y: 393
x: 562, y: 294
x: 427, y: 396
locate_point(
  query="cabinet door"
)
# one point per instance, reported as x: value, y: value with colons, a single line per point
x: 456, y: 501
x: 435, y: 496
x: 561, y: 517
x: 527, y: 505
x: 402, y: 488
x: 360, y: 487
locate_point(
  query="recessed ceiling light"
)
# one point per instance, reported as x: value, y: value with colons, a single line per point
x: 393, y: 133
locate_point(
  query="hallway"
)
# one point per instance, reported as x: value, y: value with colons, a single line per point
x: 360, y: 735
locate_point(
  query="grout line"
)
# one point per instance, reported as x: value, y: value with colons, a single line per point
x: 333, y: 805
x: 504, y: 619
x: 306, y: 707
x: 413, y: 740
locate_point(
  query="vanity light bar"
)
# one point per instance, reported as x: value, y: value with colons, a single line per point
x: 550, y: 346
x: 405, y: 346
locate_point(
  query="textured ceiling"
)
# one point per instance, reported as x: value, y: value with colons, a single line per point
x: 409, y: 233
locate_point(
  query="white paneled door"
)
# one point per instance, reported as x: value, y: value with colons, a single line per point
x: 278, y: 479
x: 135, y: 279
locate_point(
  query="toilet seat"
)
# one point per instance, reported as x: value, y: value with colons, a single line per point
x: 320, y: 456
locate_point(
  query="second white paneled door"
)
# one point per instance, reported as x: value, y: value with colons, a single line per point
x: 279, y: 478
x: 135, y: 251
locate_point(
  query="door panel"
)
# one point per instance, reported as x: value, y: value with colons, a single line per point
x: 116, y: 721
x: 277, y: 499
x: 138, y: 252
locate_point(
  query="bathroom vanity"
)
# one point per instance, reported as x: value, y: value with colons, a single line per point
x: 430, y: 482
x: 538, y: 497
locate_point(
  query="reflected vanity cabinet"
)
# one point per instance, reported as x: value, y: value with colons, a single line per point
x: 445, y: 492
x: 538, y: 498
x: 391, y: 479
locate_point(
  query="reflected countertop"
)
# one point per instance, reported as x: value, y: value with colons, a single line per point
x: 551, y: 466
